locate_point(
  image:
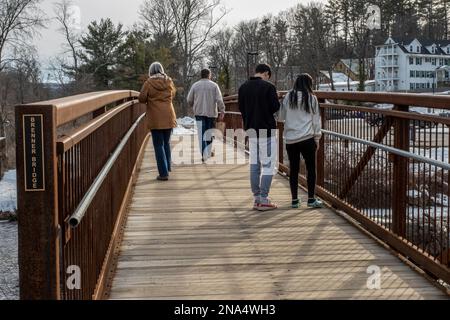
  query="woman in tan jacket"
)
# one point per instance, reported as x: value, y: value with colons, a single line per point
x: 158, y: 93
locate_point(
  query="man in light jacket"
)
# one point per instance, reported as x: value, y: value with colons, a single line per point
x: 206, y: 99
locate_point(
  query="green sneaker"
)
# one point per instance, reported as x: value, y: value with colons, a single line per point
x: 295, y: 204
x: 317, y: 204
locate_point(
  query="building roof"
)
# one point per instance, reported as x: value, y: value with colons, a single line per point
x: 404, y: 42
x: 337, y: 76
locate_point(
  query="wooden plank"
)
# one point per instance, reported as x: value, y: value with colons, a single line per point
x: 197, y: 237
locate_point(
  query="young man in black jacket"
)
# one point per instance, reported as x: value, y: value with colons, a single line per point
x: 258, y: 103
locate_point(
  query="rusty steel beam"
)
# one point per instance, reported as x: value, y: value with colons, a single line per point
x: 365, y: 159
x: 400, y: 188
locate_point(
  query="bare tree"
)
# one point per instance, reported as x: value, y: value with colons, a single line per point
x: 195, y: 20
x: 158, y: 18
x: 191, y: 24
x: 67, y: 18
x: 19, y: 83
x: 221, y: 56
x: 275, y: 44
x: 247, y: 39
x: 19, y: 21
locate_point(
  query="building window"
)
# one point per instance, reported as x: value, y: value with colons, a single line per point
x: 418, y: 61
x: 410, y: 48
x: 418, y: 49
x: 448, y: 50
x: 412, y: 73
x: 433, y: 61
x: 411, y: 60
x: 411, y: 86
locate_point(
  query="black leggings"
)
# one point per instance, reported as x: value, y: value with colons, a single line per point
x: 308, y: 150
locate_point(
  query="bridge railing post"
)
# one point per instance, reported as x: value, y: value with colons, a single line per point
x: 321, y: 151
x: 280, y: 129
x: 37, y: 200
x: 400, y: 174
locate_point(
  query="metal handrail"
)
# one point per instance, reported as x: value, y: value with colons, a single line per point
x: 78, y: 215
x: 402, y: 153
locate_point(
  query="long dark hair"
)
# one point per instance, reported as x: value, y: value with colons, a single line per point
x: 303, y: 84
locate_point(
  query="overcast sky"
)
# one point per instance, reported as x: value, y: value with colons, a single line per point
x: 126, y: 12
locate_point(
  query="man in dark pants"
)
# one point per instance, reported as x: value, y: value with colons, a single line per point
x: 206, y: 99
x: 258, y: 103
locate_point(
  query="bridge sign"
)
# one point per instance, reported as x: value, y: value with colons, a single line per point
x: 33, y: 152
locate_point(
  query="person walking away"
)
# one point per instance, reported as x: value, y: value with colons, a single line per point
x: 258, y: 103
x: 158, y: 93
x: 302, y: 133
x: 206, y: 99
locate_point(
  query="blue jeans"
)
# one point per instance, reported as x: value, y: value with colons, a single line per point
x: 263, y: 166
x: 161, y: 143
x: 205, y: 141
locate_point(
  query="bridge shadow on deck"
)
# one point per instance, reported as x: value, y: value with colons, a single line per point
x: 196, y: 237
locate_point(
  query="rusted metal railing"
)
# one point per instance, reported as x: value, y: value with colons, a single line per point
x: 66, y: 170
x: 385, y: 163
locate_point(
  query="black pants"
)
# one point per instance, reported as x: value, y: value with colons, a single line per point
x: 308, y: 150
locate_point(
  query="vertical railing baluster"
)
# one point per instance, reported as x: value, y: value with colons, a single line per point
x: 400, y: 190
x: 321, y: 151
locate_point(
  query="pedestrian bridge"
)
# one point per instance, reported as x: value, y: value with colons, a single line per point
x: 95, y: 224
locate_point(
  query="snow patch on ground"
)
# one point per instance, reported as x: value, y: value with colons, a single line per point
x: 186, y: 126
x: 186, y: 122
x: 181, y: 131
x: 8, y: 192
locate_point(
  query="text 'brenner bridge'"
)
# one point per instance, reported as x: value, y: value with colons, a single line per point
x: 85, y: 198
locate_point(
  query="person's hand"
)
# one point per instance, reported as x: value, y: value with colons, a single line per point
x: 221, y: 117
x: 317, y: 145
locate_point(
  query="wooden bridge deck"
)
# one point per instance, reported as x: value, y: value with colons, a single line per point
x: 196, y: 237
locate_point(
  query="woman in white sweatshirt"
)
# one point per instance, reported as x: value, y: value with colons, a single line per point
x: 302, y: 133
